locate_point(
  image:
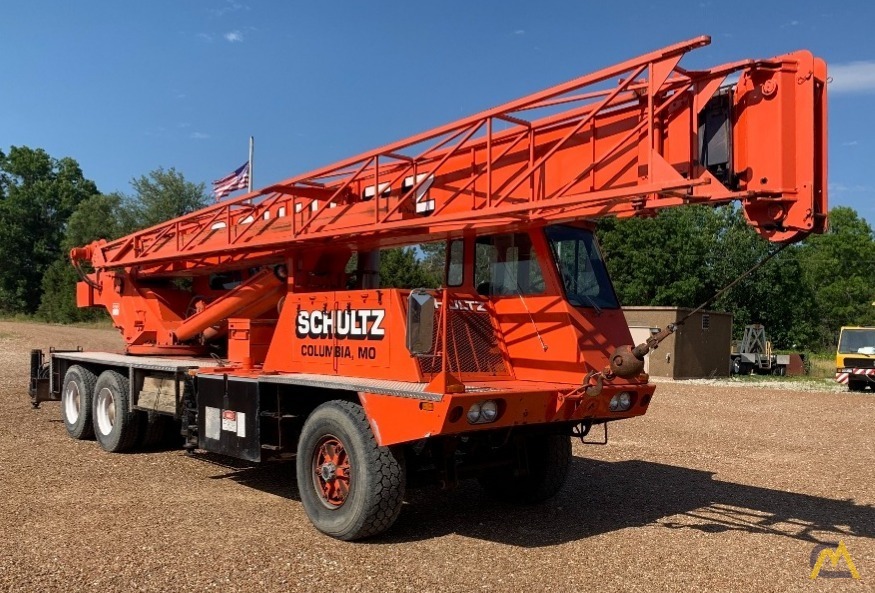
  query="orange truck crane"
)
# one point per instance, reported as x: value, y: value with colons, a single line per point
x: 259, y: 326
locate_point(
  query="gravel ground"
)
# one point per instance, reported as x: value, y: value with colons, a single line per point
x: 717, y: 488
x: 764, y: 382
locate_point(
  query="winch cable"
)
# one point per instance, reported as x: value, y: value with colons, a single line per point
x: 743, y: 275
x: 653, y: 342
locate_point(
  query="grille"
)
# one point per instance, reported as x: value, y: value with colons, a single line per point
x: 472, y: 344
x: 860, y: 363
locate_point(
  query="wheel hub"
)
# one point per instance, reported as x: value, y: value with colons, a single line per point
x: 72, y: 403
x: 105, y: 411
x: 331, y: 472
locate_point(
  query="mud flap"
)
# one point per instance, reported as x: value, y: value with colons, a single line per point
x: 39, y: 380
x: 228, y: 416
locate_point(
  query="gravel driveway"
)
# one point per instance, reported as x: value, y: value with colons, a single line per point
x: 717, y: 488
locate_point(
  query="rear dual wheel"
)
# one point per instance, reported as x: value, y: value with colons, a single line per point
x: 101, y: 407
x: 76, y: 397
x: 116, y: 425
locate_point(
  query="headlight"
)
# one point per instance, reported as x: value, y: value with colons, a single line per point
x: 488, y: 411
x: 483, y: 412
x: 621, y: 402
x: 474, y: 414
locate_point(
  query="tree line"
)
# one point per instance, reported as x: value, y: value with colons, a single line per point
x: 803, y: 295
x: 47, y: 207
x: 681, y: 257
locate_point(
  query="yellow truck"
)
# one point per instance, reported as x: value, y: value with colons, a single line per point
x: 855, y: 358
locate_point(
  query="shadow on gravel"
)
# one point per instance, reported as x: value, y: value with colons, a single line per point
x: 601, y: 497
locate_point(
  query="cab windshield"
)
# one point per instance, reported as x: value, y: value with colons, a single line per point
x: 581, y: 267
x: 857, y: 341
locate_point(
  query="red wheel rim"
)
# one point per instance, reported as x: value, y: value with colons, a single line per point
x: 331, y: 471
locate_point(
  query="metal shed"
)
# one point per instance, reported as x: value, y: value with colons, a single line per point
x: 699, y: 348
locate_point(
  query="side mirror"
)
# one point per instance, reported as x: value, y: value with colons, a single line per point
x: 420, y: 322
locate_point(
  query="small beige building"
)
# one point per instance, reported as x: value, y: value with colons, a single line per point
x: 699, y: 348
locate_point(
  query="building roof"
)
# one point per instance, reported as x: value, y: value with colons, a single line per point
x: 638, y: 308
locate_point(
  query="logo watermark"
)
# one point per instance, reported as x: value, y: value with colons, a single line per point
x: 822, y: 552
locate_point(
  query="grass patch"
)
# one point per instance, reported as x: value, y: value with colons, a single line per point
x: 21, y: 318
x: 822, y: 365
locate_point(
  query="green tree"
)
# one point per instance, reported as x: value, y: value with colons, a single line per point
x: 39, y: 193
x: 160, y: 195
x: 433, y: 260
x: 840, y: 266
x: 663, y: 261
x: 400, y: 268
x: 684, y: 256
x: 95, y: 218
x: 775, y: 295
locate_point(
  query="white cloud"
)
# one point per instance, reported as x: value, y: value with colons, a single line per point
x: 230, y: 6
x: 199, y: 136
x: 840, y: 188
x: 204, y: 36
x: 851, y: 143
x: 853, y: 77
x: 519, y: 32
x: 234, y: 36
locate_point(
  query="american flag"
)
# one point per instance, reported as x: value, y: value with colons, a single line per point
x: 239, y: 179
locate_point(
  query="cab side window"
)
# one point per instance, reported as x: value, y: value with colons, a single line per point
x: 507, y: 265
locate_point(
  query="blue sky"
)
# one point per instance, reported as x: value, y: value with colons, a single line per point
x: 126, y: 87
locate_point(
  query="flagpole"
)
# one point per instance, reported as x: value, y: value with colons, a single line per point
x: 251, y: 152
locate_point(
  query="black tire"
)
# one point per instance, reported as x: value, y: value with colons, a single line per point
x: 369, y: 501
x: 856, y: 385
x: 76, y: 402
x: 160, y: 430
x: 116, y: 426
x: 548, y: 457
x: 736, y: 366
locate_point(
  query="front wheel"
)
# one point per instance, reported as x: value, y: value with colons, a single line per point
x: 548, y: 457
x: 351, y: 487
